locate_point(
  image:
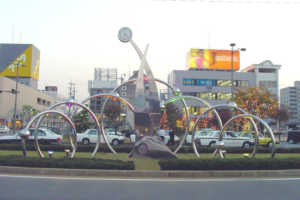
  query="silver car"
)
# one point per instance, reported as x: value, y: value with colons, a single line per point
x: 4, y: 129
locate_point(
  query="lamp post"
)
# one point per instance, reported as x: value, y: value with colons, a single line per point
x: 233, y: 52
x: 16, y: 92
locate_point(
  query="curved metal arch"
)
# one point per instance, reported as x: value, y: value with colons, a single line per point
x: 102, y: 128
x: 187, y: 114
x: 41, y: 115
x: 251, y: 117
x: 50, y: 108
x: 166, y: 84
x: 221, y: 127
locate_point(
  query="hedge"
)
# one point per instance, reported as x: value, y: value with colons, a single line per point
x: 66, y: 162
x: 230, y: 164
x: 128, y: 149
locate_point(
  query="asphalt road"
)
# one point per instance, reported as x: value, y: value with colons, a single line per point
x: 22, y: 187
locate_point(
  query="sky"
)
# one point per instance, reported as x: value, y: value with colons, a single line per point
x: 76, y: 36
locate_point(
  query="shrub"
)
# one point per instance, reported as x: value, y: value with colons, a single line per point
x: 66, y: 162
x: 230, y: 164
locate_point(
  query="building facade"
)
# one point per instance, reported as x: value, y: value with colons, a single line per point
x: 214, y: 86
x: 290, y: 97
x: 26, y: 96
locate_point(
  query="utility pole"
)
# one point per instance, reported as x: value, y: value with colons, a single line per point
x: 70, y: 94
x: 74, y: 91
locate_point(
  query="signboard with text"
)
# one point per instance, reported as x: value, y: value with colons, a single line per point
x: 212, y: 59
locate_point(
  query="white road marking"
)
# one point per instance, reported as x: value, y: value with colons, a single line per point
x: 158, y: 180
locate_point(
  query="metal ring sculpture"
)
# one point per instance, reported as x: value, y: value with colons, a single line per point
x: 166, y: 84
x: 251, y: 117
x: 187, y: 114
x: 36, y: 130
x: 71, y: 102
x: 102, y: 128
x: 230, y: 106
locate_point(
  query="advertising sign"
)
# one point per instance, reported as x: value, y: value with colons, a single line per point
x: 50, y: 88
x: 212, y: 59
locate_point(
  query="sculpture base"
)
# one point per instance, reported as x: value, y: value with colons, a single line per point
x: 151, y: 147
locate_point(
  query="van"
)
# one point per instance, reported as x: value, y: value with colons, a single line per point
x: 293, y: 137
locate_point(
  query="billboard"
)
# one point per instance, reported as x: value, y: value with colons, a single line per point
x: 50, y: 88
x: 212, y: 59
x: 28, y: 56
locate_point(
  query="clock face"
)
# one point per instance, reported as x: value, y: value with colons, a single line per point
x: 125, y: 34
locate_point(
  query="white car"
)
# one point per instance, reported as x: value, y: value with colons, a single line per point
x: 4, y: 129
x: 45, y: 137
x: 197, y: 134
x: 166, y: 140
x: 111, y: 131
x: 90, y: 136
x: 229, y: 139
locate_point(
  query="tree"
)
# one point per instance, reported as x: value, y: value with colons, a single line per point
x: 81, y: 121
x: 282, y: 114
x: 255, y: 101
x: 113, y: 112
x: 173, y: 114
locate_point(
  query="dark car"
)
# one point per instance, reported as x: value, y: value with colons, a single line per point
x: 293, y: 137
x: 128, y: 133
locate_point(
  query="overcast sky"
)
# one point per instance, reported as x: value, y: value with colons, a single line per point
x: 75, y: 37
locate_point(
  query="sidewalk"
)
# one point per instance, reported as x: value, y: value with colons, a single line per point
x: 149, y: 174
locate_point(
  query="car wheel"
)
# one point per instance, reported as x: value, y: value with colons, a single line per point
x: 85, y: 141
x: 143, y: 149
x: 270, y: 144
x: 115, y: 142
x: 212, y: 144
x: 198, y: 144
x: 291, y: 141
x: 246, y: 145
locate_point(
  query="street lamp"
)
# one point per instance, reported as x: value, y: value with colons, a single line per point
x: 16, y: 92
x: 233, y: 52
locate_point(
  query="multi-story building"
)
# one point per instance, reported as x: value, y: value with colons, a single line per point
x: 57, y: 97
x: 105, y: 81
x: 214, y: 85
x: 290, y: 97
x: 28, y: 57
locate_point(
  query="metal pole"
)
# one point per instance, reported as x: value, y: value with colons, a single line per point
x: 231, y: 111
x: 16, y: 92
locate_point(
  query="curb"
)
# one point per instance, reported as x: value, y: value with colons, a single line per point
x: 149, y: 174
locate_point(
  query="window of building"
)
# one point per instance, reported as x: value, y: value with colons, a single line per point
x: 123, y: 87
x: 39, y: 101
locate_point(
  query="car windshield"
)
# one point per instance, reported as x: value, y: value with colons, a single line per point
x: 214, y: 133
x: 50, y: 132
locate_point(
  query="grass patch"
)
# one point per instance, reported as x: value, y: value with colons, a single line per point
x: 143, y: 164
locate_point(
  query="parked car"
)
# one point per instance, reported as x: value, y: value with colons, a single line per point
x: 90, y: 136
x: 45, y: 137
x: 54, y: 129
x: 166, y: 140
x: 263, y: 140
x: 4, y: 129
x: 111, y: 131
x: 229, y: 139
x: 197, y: 133
x: 128, y: 133
x: 293, y: 136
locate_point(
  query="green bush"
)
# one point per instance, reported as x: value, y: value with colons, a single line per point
x: 230, y: 164
x: 128, y: 149
x: 66, y: 162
